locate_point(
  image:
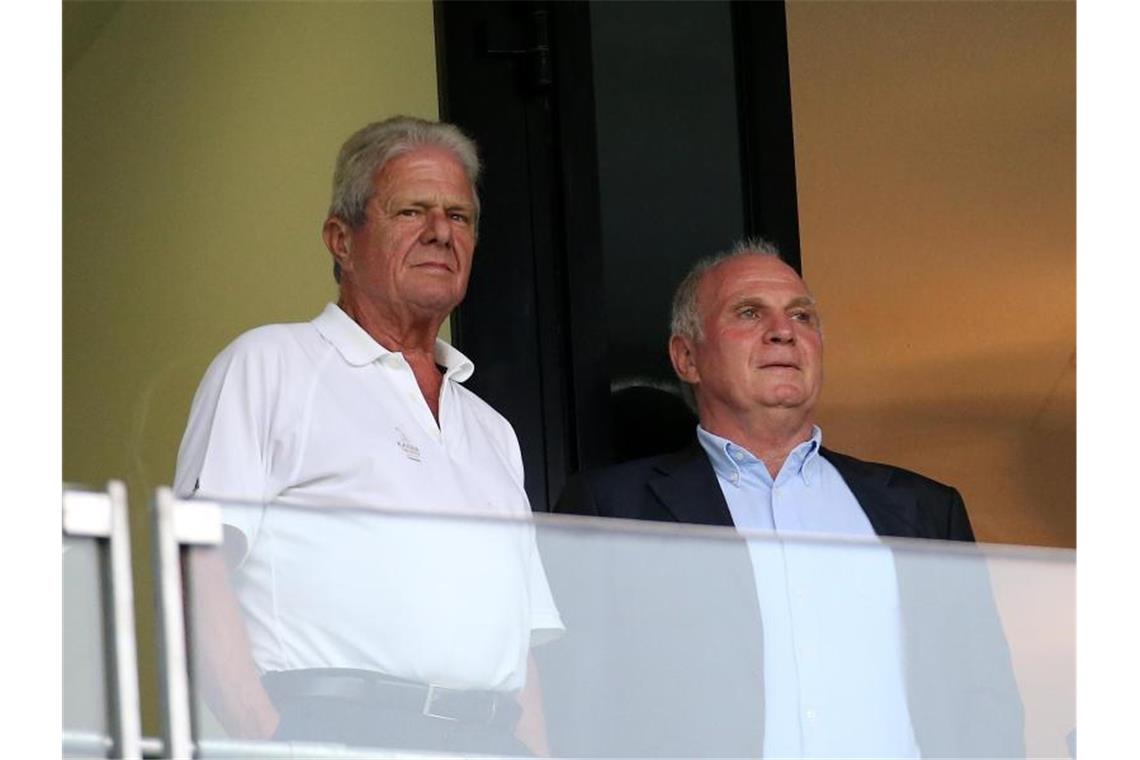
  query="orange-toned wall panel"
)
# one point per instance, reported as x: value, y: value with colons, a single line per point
x: 935, y: 158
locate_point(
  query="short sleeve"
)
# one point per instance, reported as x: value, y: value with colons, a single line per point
x: 222, y: 455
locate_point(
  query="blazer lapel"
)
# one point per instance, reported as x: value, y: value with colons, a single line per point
x: 892, y: 511
x: 687, y: 488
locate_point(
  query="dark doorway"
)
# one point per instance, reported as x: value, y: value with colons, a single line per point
x: 622, y: 141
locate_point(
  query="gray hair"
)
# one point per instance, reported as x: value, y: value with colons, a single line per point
x: 368, y: 150
x: 686, y: 317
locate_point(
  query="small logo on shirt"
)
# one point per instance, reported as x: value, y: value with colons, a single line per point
x: 411, y: 451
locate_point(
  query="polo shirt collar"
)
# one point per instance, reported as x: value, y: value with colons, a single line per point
x: 457, y: 366
x: 358, y: 348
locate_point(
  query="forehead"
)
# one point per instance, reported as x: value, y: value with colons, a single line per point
x: 427, y: 169
x: 760, y: 277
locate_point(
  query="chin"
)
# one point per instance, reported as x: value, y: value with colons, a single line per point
x: 784, y: 396
x: 440, y: 303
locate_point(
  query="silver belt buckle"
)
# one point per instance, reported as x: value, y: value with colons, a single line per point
x: 429, y: 700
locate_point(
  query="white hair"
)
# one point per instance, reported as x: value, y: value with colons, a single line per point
x: 368, y: 149
x: 686, y: 317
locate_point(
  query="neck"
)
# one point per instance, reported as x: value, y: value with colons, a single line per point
x: 768, y: 434
x: 413, y: 338
x: 410, y: 334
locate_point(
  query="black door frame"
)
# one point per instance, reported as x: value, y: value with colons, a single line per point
x: 518, y: 78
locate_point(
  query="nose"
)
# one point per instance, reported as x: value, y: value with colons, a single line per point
x: 437, y: 228
x: 780, y: 331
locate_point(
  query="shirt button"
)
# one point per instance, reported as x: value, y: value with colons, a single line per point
x: 738, y: 456
x: 810, y: 714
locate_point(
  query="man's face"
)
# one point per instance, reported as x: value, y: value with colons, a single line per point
x: 762, y: 345
x: 413, y: 252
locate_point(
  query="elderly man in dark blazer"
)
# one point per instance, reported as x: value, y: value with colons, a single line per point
x: 746, y: 342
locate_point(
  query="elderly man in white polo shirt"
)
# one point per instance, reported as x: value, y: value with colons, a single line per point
x: 364, y: 629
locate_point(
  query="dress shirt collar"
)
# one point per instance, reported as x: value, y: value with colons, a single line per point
x: 359, y: 348
x: 727, y: 458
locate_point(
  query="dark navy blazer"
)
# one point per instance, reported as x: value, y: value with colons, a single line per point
x: 962, y: 694
x: 682, y: 487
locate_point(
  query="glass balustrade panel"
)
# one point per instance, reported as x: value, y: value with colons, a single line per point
x: 666, y: 641
x: 84, y: 648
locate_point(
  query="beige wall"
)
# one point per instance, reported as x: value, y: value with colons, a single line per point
x: 198, y: 142
x: 935, y: 158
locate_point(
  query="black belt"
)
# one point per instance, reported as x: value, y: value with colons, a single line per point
x: 377, y: 690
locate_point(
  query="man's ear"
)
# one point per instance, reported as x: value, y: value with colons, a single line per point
x: 682, y: 352
x: 338, y: 239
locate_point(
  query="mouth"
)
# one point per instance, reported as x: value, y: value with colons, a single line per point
x: 435, y: 266
x: 780, y: 365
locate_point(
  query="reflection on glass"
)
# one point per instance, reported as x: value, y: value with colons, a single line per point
x: 368, y: 628
x: 679, y: 640
x: 832, y: 651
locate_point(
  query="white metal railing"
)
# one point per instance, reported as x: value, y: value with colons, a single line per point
x: 102, y: 518
x: 665, y: 625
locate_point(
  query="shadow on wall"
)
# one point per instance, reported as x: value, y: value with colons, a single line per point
x: 82, y: 25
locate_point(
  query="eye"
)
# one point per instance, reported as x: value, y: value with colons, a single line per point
x: 806, y: 317
x: 458, y: 216
x: 748, y: 312
x: 409, y: 213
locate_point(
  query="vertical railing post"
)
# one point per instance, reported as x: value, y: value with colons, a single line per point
x: 104, y: 517
x: 177, y: 523
x: 125, y: 728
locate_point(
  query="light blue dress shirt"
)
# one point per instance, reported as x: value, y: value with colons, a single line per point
x: 834, y: 681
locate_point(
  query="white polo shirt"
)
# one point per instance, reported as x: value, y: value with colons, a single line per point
x: 320, y: 415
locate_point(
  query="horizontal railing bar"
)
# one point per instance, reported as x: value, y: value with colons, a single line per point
x: 91, y: 744
x: 151, y: 747
x: 85, y: 744
x: 231, y: 748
